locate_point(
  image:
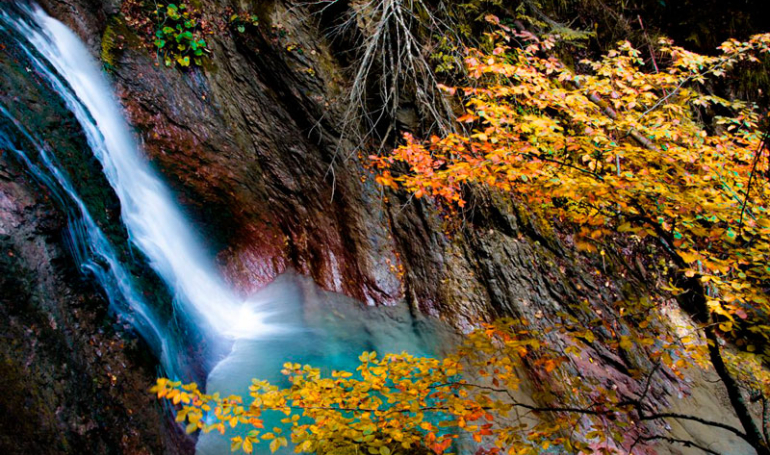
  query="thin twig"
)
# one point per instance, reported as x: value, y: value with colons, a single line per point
x: 757, y: 155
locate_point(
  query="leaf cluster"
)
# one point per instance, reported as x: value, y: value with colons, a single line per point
x: 400, y: 403
x: 178, y: 35
x: 620, y: 149
x: 626, y: 148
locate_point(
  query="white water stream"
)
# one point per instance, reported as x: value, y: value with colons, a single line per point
x: 152, y: 218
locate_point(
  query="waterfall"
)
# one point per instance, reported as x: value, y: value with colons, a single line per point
x: 154, y: 221
x: 317, y: 327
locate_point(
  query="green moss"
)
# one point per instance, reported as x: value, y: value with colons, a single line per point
x: 116, y: 38
x: 109, y: 46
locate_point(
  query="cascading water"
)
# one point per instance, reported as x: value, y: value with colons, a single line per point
x: 152, y: 218
x: 315, y: 326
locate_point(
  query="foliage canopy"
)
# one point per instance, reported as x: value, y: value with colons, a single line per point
x: 626, y: 148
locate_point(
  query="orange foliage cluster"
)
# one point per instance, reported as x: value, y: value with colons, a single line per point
x: 622, y: 148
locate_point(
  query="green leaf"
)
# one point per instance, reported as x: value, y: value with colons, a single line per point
x: 172, y: 12
x: 186, y: 36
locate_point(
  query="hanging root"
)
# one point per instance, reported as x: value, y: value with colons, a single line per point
x: 392, y: 66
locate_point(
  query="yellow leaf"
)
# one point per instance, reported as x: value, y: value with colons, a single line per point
x: 625, y: 343
x: 191, y: 427
x: 689, y: 256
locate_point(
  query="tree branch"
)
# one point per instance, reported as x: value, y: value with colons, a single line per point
x: 711, y: 423
x: 684, y: 442
x: 757, y: 155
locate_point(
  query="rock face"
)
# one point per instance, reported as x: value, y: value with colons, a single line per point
x: 252, y: 145
x: 69, y: 380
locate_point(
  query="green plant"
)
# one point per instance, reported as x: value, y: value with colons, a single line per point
x: 243, y: 21
x: 178, y: 35
x: 444, y: 56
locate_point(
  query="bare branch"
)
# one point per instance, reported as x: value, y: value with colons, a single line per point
x: 684, y: 442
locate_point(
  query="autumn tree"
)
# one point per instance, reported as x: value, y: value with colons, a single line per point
x: 620, y: 148
x: 624, y: 147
